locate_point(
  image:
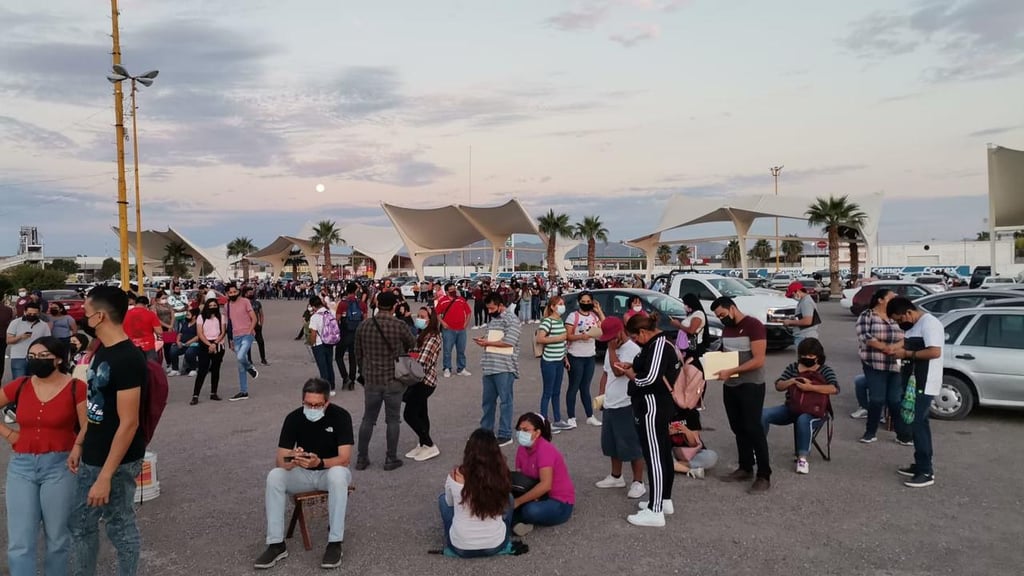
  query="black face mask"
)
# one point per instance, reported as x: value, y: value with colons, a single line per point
x: 586, y: 307
x: 41, y: 367
x: 233, y: 297
x: 31, y: 317
x: 906, y: 326
x: 728, y: 322
x: 808, y: 362
x: 495, y: 314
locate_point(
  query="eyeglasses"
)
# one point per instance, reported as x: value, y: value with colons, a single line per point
x: 315, y: 406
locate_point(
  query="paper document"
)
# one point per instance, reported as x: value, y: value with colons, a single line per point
x: 715, y: 362
x: 496, y: 336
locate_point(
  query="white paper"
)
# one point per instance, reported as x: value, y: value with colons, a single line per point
x: 715, y: 362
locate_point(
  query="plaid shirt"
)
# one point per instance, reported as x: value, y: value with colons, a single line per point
x: 428, y: 358
x: 374, y: 354
x: 871, y: 326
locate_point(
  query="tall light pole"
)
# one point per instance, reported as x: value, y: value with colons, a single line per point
x: 122, y: 186
x: 775, y: 174
x: 120, y: 75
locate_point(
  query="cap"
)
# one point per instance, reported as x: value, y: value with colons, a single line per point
x: 794, y: 287
x: 611, y: 327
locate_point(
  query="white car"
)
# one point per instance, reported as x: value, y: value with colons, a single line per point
x: 997, y: 282
x: 781, y: 281
x: 407, y: 287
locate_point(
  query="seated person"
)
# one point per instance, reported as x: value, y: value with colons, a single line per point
x: 810, y: 358
x: 551, y: 501
x: 313, y: 453
x: 633, y: 308
x: 187, y: 346
x: 692, y: 457
x: 476, y: 506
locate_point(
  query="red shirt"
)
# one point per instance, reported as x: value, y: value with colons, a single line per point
x: 141, y: 324
x: 45, y: 426
x: 455, y: 312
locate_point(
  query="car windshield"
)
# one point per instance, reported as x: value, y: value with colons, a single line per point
x: 745, y: 283
x: 667, y: 306
x: 729, y: 287
x: 809, y: 283
x: 929, y: 280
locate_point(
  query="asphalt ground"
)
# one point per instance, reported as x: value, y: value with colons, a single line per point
x: 850, y: 516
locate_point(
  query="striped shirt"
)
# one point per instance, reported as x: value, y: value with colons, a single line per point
x: 553, y: 327
x: 871, y: 326
x: 495, y: 363
x: 826, y: 371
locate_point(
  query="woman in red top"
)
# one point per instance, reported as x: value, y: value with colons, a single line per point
x: 40, y: 476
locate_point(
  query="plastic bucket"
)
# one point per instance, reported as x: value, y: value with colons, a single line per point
x: 147, y: 487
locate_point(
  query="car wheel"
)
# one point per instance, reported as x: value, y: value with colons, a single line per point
x: 955, y: 399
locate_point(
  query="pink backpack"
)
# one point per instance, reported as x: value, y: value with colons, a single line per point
x: 689, y: 385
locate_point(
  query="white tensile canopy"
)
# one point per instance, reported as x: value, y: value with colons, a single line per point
x: 154, y: 243
x: 277, y: 252
x: 1005, y: 193
x: 379, y: 243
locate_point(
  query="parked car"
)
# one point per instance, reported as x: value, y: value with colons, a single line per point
x: 409, y: 287
x: 944, y: 302
x: 814, y: 289
x: 978, y: 276
x: 615, y: 302
x: 756, y: 281
x: 1014, y: 302
x: 937, y: 283
x: 861, y: 297
x: 73, y: 302
x: 781, y: 280
x: 981, y: 361
x: 997, y: 282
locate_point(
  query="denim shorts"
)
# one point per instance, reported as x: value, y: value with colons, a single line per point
x: 619, y: 438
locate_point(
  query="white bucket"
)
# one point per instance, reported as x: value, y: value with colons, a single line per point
x: 147, y: 487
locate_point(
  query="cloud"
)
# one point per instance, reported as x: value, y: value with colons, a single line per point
x: 994, y: 131
x: 28, y: 135
x: 636, y: 34
x: 365, y: 90
x: 724, y: 185
x: 585, y: 17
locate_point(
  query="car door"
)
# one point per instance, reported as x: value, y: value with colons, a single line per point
x: 693, y: 286
x: 612, y: 303
x: 940, y: 306
x: 913, y: 292
x: 992, y: 349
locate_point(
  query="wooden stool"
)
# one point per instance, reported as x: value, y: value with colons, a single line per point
x: 299, y: 516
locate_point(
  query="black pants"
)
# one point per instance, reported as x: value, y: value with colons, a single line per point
x: 258, y: 338
x: 347, y: 345
x: 208, y: 364
x: 479, y: 314
x: 415, y: 414
x: 652, y: 414
x: 3, y: 353
x: 743, y: 406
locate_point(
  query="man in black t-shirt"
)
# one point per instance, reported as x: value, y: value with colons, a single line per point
x: 108, y: 453
x: 313, y: 453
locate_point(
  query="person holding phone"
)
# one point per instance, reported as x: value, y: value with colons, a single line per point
x: 21, y: 333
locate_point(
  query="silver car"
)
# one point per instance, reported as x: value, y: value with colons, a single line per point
x: 944, y: 302
x: 981, y: 361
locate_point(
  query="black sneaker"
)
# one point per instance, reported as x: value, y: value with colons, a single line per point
x: 392, y: 464
x: 908, y: 471
x: 215, y: 398
x: 239, y: 396
x: 195, y: 400
x: 264, y: 362
x: 920, y: 481
x: 362, y: 464
x: 271, y: 556
x: 332, y: 556
x: 253, y: 372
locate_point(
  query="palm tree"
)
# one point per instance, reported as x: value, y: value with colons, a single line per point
x: 325, y: 235
x: 241, y: 247
x: 982, y: 237
x: 792, y: 250
x: 295, y: 258
x: 591, y: 229
x: 831, y: 214
x: 175, y: 256
x: 554, y: 226
x: 761, y: 252
x: 664, y: 254
x: 683, y: 255
x: 731, y: 254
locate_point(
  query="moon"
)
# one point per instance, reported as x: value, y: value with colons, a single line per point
x: 320, y: 188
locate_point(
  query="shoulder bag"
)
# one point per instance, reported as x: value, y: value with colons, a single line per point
x: 408, y: 370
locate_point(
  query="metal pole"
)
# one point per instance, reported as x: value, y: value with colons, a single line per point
x: 775, y: 174
x: 122, y: 185
x: 139, y: 272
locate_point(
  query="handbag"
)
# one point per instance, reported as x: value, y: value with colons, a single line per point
x: 408, y: 370
x: 521, y: 483
x: 802, y: 402
x: 908, y: 407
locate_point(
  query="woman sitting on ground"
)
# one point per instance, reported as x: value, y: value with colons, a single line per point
x: 798, y: 377
x: 551, y: 500
x: 476, y: 506
x: 693, y: 458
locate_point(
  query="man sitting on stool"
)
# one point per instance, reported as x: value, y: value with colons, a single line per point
x: 312, y: 454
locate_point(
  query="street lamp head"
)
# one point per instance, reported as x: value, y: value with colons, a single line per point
x: 121, y: 70
x: 151, y: 74
x: 145, y: 81
x: 115, y: 78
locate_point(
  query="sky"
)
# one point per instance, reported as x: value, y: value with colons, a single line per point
x: 588, y: 107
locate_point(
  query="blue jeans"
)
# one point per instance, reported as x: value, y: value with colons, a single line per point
x: 804, y: 426
x: 581, y: 373
x: 448, y: 516
x: 884, y: 388
x: 922, y: 434
x: 242, y: 346
x: 860, y: 389
x: 19, y: 367
x: 498, y: 387
x: 547, y: 512
x: 119, y: 515
x: 324, y: 356
x: 39, y: 488
x: 456, y: 338
x: 551, y: 373
x: 280, y: 482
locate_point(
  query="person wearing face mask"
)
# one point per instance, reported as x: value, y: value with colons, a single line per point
x: 810, y: 358
x: 581, y: 353
x: 636, y: 306
x: 211, y: 332
x: 313, y: 453
x: 878, y: 336
x: 428, y: 348
x: 551, y: 333
x: 143, y: 326
x: 20, y: 333
x: 550, y: 502
x: 6, y: 317
x: 453, y: 313
x: 500, y: 366
x: 695, y: 325
x: 62, y: 326
x: 19, y: 304
x: 241, y: 329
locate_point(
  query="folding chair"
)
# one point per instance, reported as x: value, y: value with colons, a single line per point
x: 299, y: 516
x: 828, y: 425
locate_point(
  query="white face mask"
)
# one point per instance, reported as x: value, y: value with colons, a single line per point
x: 638, y: 308
x: 420, y: 323
x: 22, y: 294
x: 313, y: 414
x: 560, y: 309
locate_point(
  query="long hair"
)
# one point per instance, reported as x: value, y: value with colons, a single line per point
x: 433, y: 327
x: 56, y: 347
x: 553, y: 303
x: 486, y: 479
x: 538, y: 422
x: 207, y: 313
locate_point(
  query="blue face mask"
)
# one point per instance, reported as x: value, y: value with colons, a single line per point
x: 419, y: 323
x: 313, y: 414
x: 524, y: 438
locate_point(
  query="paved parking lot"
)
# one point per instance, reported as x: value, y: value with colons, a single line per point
x: 850, y: 516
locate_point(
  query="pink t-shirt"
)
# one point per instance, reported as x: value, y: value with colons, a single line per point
x: 543, y: 454
x: 211, y: 328
x: 238, y: 315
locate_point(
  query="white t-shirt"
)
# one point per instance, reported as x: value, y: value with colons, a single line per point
x: 930, y: 330
x: 699, y: 336
x: 469, y: 532
x: 316, y: 322
x: 582, y: 348
x: 616, y: 388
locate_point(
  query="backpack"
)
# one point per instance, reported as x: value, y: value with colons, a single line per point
x: 154, y: 399
x: 814, y: 403
x: 330, y: 334
x: 688, y: 388
x: 353, y: 315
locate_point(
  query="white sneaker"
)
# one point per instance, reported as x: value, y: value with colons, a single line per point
x: 647, y: 518
x: 447, y: 373
x: 859, y: 414
x: 666, y: 507
x: 192, y: 374
x: 636, y: 490
x: 427, y: 453
x: 334, y: 393
x: 522, y: 529
x: 611, y: 482
x: 571, y: 423
x: 697, y: 473
x: 593, y: 421
x: 412, y: 454
x: 802, y: 467
x: 465, y: 372
x: 174, y: 373
x: 560, y: 425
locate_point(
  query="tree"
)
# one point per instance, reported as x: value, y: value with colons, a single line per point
x: 68, y: 267
x: 664, y: 254
x: 554, y: 226
x: 983, y: 237
x: 732, y: 252
x: 792, y: 249
x: 683, y: 255
x: 174, y: 259
x: 591, y: 229
x: 35, y: 278
x: 295, y: 259
x: 108, y: 269
x: 761, y: 252
x: 242, y: 247
x: 325, y: 235
x: 831, y: 213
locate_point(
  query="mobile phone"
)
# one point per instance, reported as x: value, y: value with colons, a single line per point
x: 289, y: 458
